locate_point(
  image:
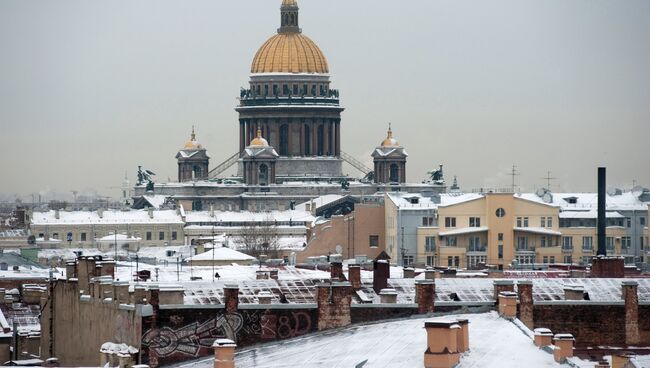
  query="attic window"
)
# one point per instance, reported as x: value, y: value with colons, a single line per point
x: 571, y: 200
x: 414, y: 200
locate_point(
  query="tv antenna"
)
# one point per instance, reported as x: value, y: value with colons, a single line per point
x: 548, y: 179
x: 514, y: 173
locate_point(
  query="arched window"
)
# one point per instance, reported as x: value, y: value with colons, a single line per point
x: 284, y: 140
x: 394, y: 173
x: 307, y: 140
x: 196, y: 172
x: 264, y: 175
x: 320, y: 141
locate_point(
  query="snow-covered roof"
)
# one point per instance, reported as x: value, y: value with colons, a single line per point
x: 449, y: 199
x: 495, y: 343
x: 627, y: 201
x: 156, y: 200
x: 590, y: 214
x: 462, y: 231
x: 296, y: 216
x: 118, y: 238
x: 108, y: 217
x: 319, y: 201
x: 407, y: 201
x: 221, y: 254
x: 537, y: 230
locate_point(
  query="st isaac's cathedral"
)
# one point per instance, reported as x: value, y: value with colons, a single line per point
x: 289, y: 139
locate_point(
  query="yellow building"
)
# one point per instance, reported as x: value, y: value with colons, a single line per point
x: 509, y: 230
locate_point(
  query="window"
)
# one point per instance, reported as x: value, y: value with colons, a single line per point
x: 474, y: 222
x: 525, y: 221
x: 500, y: 236
x: 567, y: 242
x: 626, y: 242
x: 586, y: 260
x: 408, y: 260
x: 174, y: 235
x: 451, y: 241
x: 41, y: 235
x: 475, y: 244
x: 543, y: 223
x: 500, y: 212
x: 543, y: 242
x: 568, y: 259
x: 453, y: 261
x: 473, y: 261
x: 431, y: 260
x: 430, y: 244
x: 642, y: 242
x: 148, y: 235
x: 628, y: 221
x: 427, y: 221
x: 642, y: 221
x: 500, y: 251
x: 526, y: 259
x: 450, y: 222
x: 83, y: 237
x: 55, y: 236
x: 549, y: 221
x: 161, y: 235
x: 68, y: 237
x: 522, y: 243
x: 610, y: 244
x: 374, y: 241
x: 519, y: 221
x: 545, y: 259
x: 587, y: 243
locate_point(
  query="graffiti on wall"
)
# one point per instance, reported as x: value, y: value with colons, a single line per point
x: 284, y: 327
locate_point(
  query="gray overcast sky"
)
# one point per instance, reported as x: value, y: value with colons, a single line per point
x: 91, y: 89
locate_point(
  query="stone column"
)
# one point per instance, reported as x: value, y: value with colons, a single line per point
x: 242, y: 141
x: 326, y: 137
x: 231, y: 297
x: 224, y: 353
x: 302, y: 138
x: 525, y: 293
x: 314, y: 137
x: 289, y: 138
x: 425, y: 295
x: 338, y: 138
x: 631, y: 298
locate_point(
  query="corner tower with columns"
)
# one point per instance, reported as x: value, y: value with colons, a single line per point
x: 390, y: 161
x: 290, y: 101
x: 193, y: 161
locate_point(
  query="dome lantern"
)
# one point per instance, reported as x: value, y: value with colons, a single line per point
x: 390, y: 141
x: 258, y: 141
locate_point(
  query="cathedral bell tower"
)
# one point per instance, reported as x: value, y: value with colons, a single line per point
x: 390, y: 161
x: 193, y: 161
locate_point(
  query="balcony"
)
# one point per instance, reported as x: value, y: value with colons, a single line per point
x: 248, y: 99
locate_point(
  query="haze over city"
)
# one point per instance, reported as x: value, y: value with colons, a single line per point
x: 91, y: 90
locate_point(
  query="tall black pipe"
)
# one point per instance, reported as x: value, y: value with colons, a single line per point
x: 602, y: 206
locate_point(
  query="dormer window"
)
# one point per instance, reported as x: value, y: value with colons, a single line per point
x: 571, y: 200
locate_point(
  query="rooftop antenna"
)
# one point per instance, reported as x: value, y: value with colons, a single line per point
x: 514, y: 173
x: 548, y: 179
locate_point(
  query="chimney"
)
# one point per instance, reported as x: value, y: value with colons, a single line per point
x: 430, y: 274
x: 150, y: 210
x: 224, y: 353
x: 442, y: 344
x: 336, y: 271
x: 622, y: 360
x: 354, y: 276
x: 380, y: 275
x: 264, y: 297
x: 388, y: 296
x: 502, y: 285
x: 602, y: 207
x: 525, y: 294
x: 425, y: 295
x: 631, y: 298
x: 231, y: 297
x: 334, y: 305
x: 100, y: 212
x: 71, y: 270
x: 543, y: 337
x: 563, y: 347
x: 57, y: 214
x: 602, y: 364
x: 211, y: 210
x: 508, y: 304
x: 409, y: 273
x: 273, y: 274
x: 574, y: 292
x: 463, y: 335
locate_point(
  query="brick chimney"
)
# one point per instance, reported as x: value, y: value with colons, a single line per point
x: 354, y: 276
x: 380, y: 275
x: 336, y: 271
x: 442, y: 344
x: 563, y: 347
x: 502, y: 285
x: 409, y: 273
x: 508, y: 304
x: 425, y: 295
x: 231, y: 297
x: 273, y: 274
x: 334, y: 305
x: 525, y: 293
x: 430, y: 274
x: 574, y: 292
x: 224, y: 353
x: 71, y: 270
x: 631, y: 298
x: 543, y: 337
x: 388, y: 296
x: 264, y: 297
x: 463, y: 335
x: 622, y: 360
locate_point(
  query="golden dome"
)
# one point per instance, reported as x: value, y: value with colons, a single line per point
x: 289, y: 53
x: 390, y: 141
x: 289, y: 3
x: 259, y: 141
x: 192, y: 144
